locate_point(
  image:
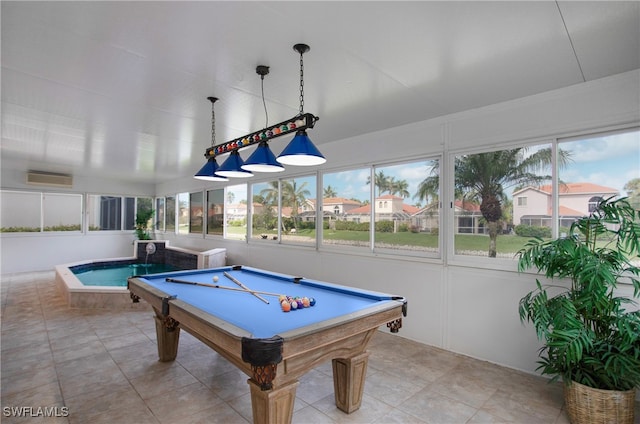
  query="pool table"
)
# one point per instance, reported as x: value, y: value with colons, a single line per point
x: 237, y: 312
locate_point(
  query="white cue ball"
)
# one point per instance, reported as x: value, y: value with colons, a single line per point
x: 215, y: 278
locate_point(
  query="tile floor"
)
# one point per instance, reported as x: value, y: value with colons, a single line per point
x: 102, y: 365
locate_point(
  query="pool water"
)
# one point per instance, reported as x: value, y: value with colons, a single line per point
x: 116, y: 275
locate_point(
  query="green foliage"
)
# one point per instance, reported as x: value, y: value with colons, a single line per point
x: 352, y: 226
x: 384, y: 226
x: 142, y: 224
x: 532, y: 231
x: 591, y: 335
x: 60, y: 227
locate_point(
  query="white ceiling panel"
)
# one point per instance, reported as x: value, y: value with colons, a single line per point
x: 119, y: 89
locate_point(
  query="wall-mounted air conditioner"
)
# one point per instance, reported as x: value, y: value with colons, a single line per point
x: 49, y: 179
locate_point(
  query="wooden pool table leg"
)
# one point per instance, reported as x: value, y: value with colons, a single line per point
x: 167, y: 335
x: 348, y: 381
x: 273, y: 406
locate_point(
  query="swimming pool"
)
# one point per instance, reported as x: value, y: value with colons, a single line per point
x: 112, y: 293
x: 115, y: 274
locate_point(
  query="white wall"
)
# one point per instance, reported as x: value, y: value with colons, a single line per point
x: 460, y: 305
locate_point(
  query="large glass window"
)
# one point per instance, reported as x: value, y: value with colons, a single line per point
x: 485, y: 220
x: 264, y: 211
x: 346, y: 208
x: 406, y: 207
x: 24, y: 211
x: 236, y: 212
x: 298, y: 209
x: 599, y: 167
x: 215, y: 211
x: 62, y: 212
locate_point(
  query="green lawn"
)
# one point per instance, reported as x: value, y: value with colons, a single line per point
x: 463, y: 242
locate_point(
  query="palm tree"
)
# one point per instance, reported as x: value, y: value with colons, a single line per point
x: 381, y: 182
x: 483, y: 177
x: 329, y: 192
x: 399, y: 187
x: 428, y: 189
x: 293, y: 196
x: 270, y: 194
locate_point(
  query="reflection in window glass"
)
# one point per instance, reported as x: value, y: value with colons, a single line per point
x: 346, y: 209
x: 196, y: 211
x: 104, y: 213
x: 236, y: 212
x: 62, y: 212
x: 264, y: 211
x: 601, y: 166
x: 485, y: 222
x: 183, y: 213
x: 20, y: 211
x: 298, y: 209
x: 170, y: 221
x: 215, y: 211
x: 406, y: 207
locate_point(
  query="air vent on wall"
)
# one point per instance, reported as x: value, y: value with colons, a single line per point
x: 49, y: 179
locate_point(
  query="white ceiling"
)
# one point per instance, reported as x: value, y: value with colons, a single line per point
x: 119, y: 89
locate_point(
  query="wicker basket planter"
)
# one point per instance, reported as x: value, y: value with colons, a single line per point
x: 586, y: 405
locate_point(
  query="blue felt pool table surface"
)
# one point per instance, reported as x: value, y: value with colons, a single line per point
x: 263, y: 320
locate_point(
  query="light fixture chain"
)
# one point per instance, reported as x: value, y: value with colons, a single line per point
x: 301, y: 85
x: 213, y: 126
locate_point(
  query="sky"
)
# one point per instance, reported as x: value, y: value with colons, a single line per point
x: 611, y: 161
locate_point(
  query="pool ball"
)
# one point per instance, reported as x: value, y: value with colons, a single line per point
x: 286, y: 306
x: 215, y: 278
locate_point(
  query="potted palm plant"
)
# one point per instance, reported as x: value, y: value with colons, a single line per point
x: 591, y: 335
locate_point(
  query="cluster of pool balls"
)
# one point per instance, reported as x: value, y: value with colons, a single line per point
x: 259, y: 136
x: 288, y: 303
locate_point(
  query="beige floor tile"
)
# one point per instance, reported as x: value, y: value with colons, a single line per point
x: 103, y: 365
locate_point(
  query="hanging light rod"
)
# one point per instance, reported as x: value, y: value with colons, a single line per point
x: 296, y: 123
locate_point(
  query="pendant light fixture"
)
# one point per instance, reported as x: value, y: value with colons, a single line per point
x: 263, y: 159
x: 301, y: 151
x: 208, y: 171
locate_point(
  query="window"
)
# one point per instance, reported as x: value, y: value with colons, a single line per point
x: 183, y: 213
x: 597, y: 167
x: 196, y: 213
x: 24, y: 211
x: 298, y: 210
x: 104, y: 213
x: 129, y: 213
x: 264, y: 211
x: 407, y: 214
x: 61, y: 212
x: 215, y: 211
x: 236, y: 212
x: 160, y: 215
x: 485, y: 223
x: 346, y: 208
x: 170, y: 208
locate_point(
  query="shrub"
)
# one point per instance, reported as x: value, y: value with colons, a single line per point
x: 532, y: 231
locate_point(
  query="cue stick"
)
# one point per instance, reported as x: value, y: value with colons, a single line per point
x: 215, y: 286
x: 230, y: 277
